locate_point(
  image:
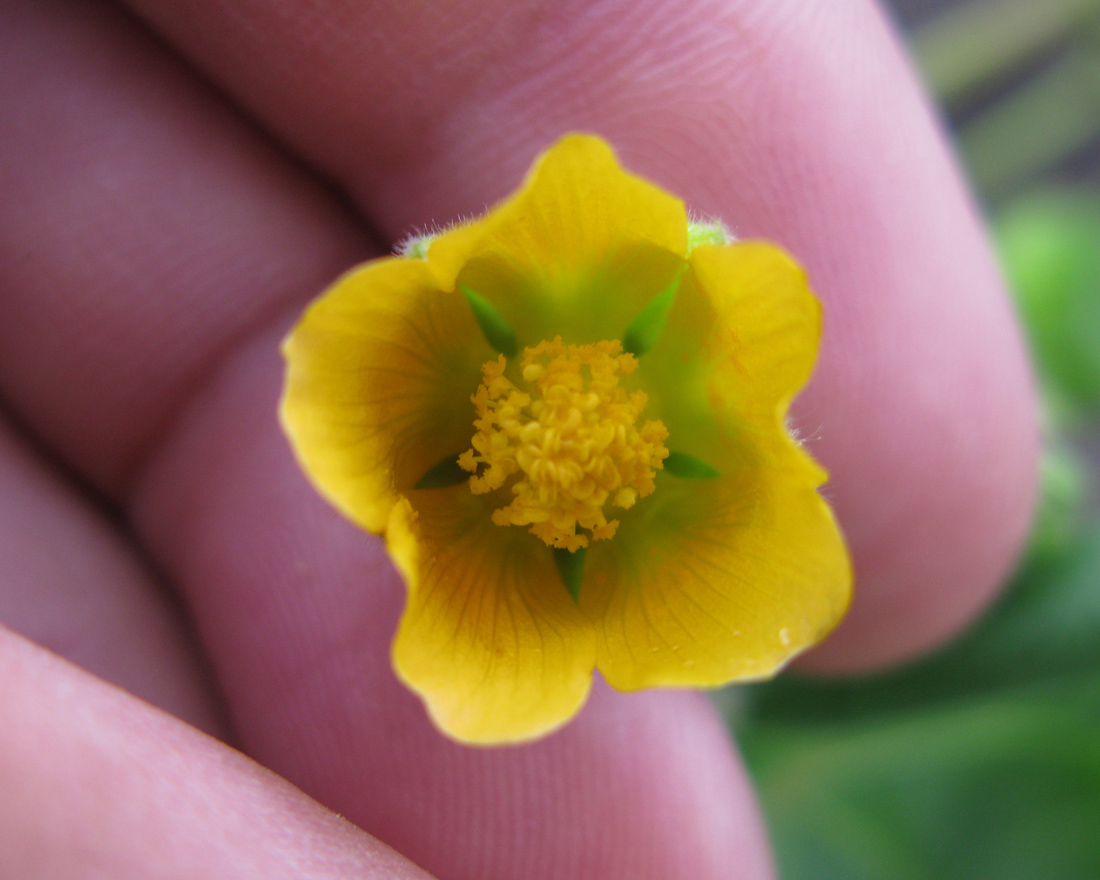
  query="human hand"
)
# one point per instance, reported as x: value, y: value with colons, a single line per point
x: 159, y: 234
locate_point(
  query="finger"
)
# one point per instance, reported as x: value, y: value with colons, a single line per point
x: 98, y: 784
x: 798, y: 122
x: 68, y: 581
x: 132, y: 196
x: 295, y: 605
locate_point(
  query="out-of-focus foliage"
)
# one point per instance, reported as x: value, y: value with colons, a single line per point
x: 1023, y: 76
x: 1050, y: 246
x: 972, y: 44
x: 982, y: 762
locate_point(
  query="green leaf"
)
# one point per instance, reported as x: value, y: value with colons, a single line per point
x: 443, y: 474
x: 1050, y: 249
x: 498, y: 332
x: 645, y: 330
x: 1060, y: 515
x: 688, y: 467
x: 1006, y: 787
x: 571, y: 568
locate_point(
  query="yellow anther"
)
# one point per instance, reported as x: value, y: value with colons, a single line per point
x: 571, y: 443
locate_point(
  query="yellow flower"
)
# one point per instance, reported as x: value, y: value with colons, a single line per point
x: 568, y: 420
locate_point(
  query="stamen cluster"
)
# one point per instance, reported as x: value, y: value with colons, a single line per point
x: 571, y: 438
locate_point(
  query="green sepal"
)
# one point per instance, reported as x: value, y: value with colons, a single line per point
x: 712, y: 232
x: 688, y: 467
x: 415, y: 247
x: 645, y: 330
x: 443, y: 474
x: 498, y: 332
x: 571, y: 568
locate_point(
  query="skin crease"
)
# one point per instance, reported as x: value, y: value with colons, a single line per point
x: 158, y: 236
x: 117, y: 622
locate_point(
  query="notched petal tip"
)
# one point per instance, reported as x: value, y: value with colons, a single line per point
x: 576, y: 206
x: 490, y: 638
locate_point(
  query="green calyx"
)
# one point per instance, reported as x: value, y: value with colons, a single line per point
x: 708, y: 232
x: 443, y: 474
x: 498, y: 332
x: 688, y: 467
x: 571, y: 568
x: 645, y: 330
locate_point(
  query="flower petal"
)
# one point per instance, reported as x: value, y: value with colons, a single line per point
x: 379, y: 375
x: 712, y: 581
x: 576, y: 208
x: 490, y: 637
x: 724, y: 580
x: 595, y: 304
x: 738, y: 344
x: 766, y: 315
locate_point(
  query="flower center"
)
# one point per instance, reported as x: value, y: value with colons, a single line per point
x: 571, y: 438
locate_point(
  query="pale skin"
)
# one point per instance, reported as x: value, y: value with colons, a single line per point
x: 159, y: 231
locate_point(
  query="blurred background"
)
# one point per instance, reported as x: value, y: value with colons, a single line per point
x: 982, y: 761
